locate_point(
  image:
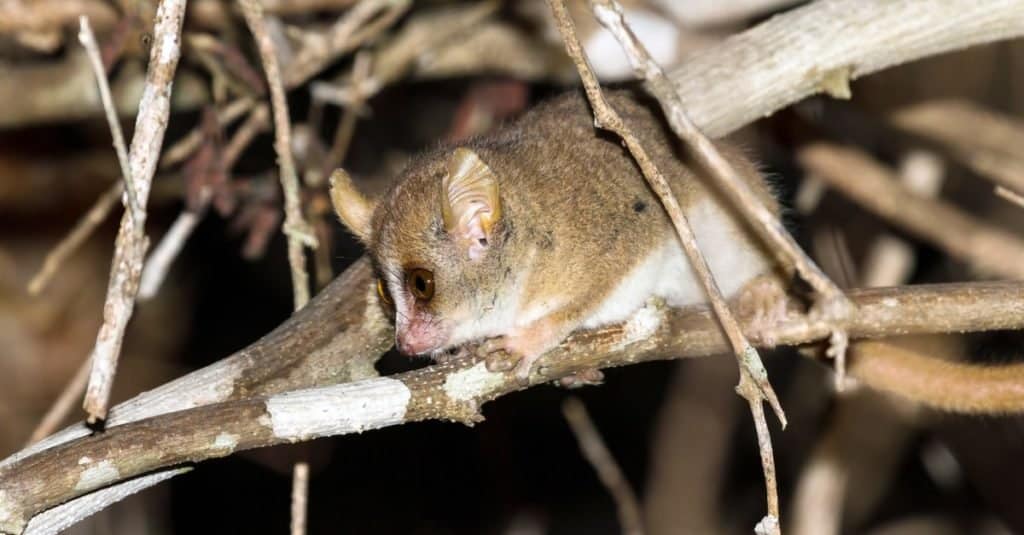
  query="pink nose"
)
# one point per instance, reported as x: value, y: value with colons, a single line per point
x: 413, y: 345
x: 419, y: 334
x: 407, y: 347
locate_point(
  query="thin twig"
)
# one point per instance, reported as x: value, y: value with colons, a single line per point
x: 352, y: 29
x: 184, y: 147
x: 424, y: 35
x: 92, y: 49
x: 60, y: 409
x: 253, y: 125
x: 347, y: 124
x: 300, y: 497
x: 831, y: 302
x: 754, y: 385
x: 608, y: 119
x: 596, y: 453
x: 343, y: 134
x: 81, y: 232
x: 295, y: 227
x: 159, y: 261
x: 1012, y: 196
x: 131, y: 244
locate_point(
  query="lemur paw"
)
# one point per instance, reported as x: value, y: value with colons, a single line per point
x: 588, y: 377
x: 764, y: 301
x: 505, y: 353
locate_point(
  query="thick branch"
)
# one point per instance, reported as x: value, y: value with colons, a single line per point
x: 454, y: 391
x: 823, y: 46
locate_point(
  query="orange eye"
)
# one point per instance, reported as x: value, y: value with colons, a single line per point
x: 421, y: 284
x: 383, y: 293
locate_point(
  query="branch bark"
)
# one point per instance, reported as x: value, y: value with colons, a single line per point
x: 337, y: 336
x: 455, y: 391
x: 823, y: 46
x: 131, y: 242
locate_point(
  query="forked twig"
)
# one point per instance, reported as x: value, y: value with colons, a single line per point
x: 754, y: 385
x: 131, y: 243
x: 831, y: 304
x: 159, y: 262
x: 358, y: 25
x: 92, y: 49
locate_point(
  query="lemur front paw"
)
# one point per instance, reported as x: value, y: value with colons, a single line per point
x: 764, y: 301
x: 505, y: 353
x: 588, y: 377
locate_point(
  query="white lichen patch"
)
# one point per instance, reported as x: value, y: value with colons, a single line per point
x: 471, y: 383
x: 97, y: 476
x: 85, y: 460
x: 890, y: 302
x: 169, y: 49
x: 225, y: 441
x: 641, y: 326
x: 338, y: 410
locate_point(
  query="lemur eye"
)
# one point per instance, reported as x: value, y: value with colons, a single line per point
x: 383, y: 293
x: 421, y: 284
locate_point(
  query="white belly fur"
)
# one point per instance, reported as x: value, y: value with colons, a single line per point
x: 667, y: 273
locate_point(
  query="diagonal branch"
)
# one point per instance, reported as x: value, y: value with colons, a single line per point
x: 92, y: 49
x: 824, y: 45
x: 295, y: 227
x: 131, y: 242
x: 830, y: 302
x: 754, y: 386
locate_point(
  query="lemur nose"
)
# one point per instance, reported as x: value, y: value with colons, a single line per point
x: 409, y: 345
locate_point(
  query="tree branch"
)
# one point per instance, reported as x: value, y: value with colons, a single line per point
x: 337, y: 336
x: 754, y: 385
x: 131, y: 242
x: 455, y: 391
x: 295, y: 227
x: 823, y: 46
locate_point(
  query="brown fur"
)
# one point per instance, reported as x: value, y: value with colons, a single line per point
x: 575, y: 209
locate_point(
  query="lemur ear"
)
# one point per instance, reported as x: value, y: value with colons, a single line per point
x: 352, y: 207
x: 469, y: 201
